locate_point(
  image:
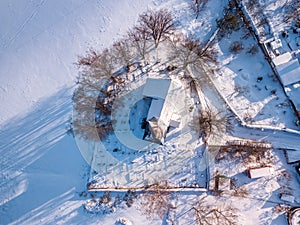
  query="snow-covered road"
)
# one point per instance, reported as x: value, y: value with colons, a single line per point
x: 279, y: 139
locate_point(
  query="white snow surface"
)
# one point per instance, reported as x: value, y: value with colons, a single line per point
x: 40, y: 41
x: 41, y: 169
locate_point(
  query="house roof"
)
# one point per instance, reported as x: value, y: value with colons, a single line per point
x: 293, y: 91
x: 157, y: 131
x: 162, y: 106
x: 157, y: 88
x: 289, y: 72
x: 155, y: 108
x: 281, y: 59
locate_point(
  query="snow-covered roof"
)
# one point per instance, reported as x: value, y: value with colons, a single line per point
x: 158, y: 131
x: 164, y: 96
x: 276, y: 44
x: 289, y: 72
x: 293, y: 91
x: 156, y: 88
x: 175, y: 120
x: 260, y: 172
x: 281, y: 59
x: 155, y: 108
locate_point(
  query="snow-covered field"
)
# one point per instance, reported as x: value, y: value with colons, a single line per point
x: 42, y: 171
x: 43, y: 176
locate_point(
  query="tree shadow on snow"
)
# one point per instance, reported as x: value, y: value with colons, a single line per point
x: 40, y: 166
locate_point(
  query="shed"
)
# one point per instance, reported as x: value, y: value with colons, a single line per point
x: 289, y: 72
x: 281, y: 59
x: 260, y: 172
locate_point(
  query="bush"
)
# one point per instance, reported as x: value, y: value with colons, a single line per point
x: 227, y: 24
x: 252, y: 50
x: 236, y: 47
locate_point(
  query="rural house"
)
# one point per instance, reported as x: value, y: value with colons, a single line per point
x: 161, y: 114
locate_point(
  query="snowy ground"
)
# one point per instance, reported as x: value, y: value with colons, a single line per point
x: 40, y: 42
x: 42, y: 173
x: 142, y: 162
x: 257, y: 102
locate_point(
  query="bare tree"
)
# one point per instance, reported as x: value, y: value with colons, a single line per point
x: 122, y: 51
x: 236, y: 47
x: 227, y: 24
x: 293, y: 13
x: 139, y: 38
x: 156, y: 200
x: 186, y: 51
x: 284, y: 180
x: 247, y: 150
x: 158, y: 24
x: 239, y: 191
x: 211, y: 215
x: 104, y: 66
x: 208, y: 123
x: 191, y: 52
x: 197, y: 6
x: 84, y: 122
x: 231, y: 20
x: 87, y: 60
x: 86, y: 125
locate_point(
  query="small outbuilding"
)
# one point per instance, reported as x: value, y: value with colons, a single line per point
x: 260, y: 172
x: 289, y: 72
x: 281, y: 59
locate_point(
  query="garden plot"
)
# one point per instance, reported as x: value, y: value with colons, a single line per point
x: 261, y: 196
x: 139, y: 163
x: 251, y: 87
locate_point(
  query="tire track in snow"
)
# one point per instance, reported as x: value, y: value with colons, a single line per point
x: 34, y: 37
x: 23, y: 25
